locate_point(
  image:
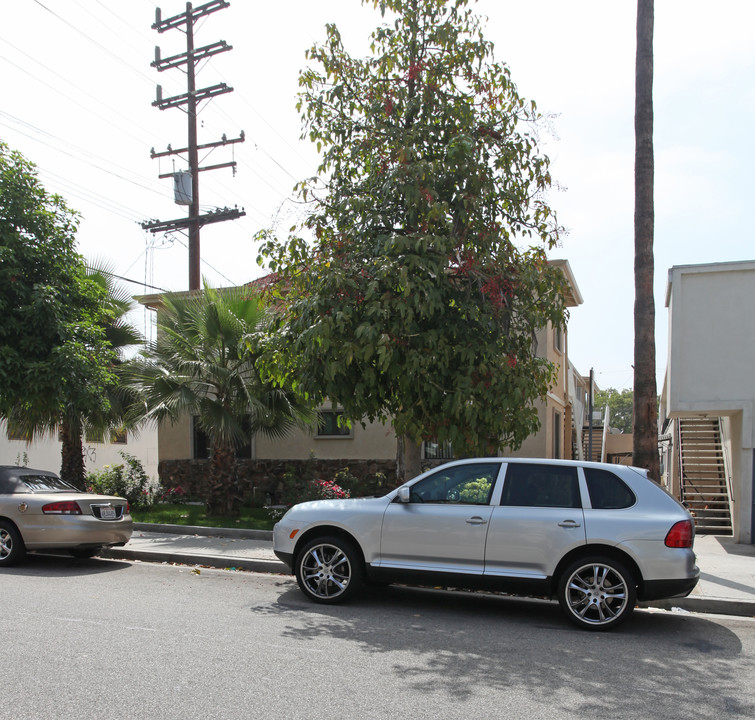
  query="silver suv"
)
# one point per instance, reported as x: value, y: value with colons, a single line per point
x: 598, y: 537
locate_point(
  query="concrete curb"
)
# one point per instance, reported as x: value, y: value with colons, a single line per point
x: 240, y: 533
x: 211, y: 561
x: 713, y: 606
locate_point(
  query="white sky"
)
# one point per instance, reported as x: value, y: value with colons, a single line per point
x: 77, y: 89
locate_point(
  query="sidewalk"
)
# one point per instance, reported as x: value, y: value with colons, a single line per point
x: 726, y: 586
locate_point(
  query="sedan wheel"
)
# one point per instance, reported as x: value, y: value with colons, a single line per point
x: 597, y: 593
x: 12, y: 548
x: 329, y: 570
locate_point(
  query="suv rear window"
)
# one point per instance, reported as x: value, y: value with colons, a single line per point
x: 530, y: 485
x: 607, y: 491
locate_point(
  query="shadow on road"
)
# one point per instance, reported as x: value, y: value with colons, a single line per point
x: 63, y: 565
x: 657, y: 664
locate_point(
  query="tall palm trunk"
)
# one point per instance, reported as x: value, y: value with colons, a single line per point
x: 222, y: 498
x: 645, y: 435
x: 72, y: 468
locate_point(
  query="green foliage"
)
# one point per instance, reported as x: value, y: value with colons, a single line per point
x: 620, y: 403
x: 179, y: 514
x: 476, y: 491
x: 405, y: 295
x: 128, y: 481
x: 303, y: 486
x: 205, y: 364
x: 56, y: 361
x: 372, y: 484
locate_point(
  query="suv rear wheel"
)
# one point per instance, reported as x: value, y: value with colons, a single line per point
x: 597, y: 593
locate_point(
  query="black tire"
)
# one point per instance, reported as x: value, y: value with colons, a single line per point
x: 329, y: 570
x: 84, y: 553
x: 597, y: 593
x: 12, y: 550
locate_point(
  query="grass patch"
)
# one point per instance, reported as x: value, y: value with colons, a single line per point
x: 167, y: 514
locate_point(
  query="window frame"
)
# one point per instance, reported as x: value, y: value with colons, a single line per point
x: 342, y: 433
x: 510, y: 479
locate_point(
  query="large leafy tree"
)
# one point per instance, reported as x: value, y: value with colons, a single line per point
x: 205, y: 364
x: 54, y: 355
x: 645, y: 434
x: 620, y: 403
x: 103, y: 419
x: 413, y: 290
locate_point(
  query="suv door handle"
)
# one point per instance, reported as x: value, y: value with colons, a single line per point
x: 476, y: 520
x: 569, y: 524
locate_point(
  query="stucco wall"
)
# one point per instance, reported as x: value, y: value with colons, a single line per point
x: 712, y: 335
x: 44, y: 453
x: 375, y: 442
x: 710, y: 365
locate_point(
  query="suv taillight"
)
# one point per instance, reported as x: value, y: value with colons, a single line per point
x: 681, y: 535
x: 64, y: 507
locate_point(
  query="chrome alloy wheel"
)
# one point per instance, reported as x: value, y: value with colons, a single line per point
x: 597, y: 594
x: 12, y: 548
x: 6, y: 544
x: 325, y: 571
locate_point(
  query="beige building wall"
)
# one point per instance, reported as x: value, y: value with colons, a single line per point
x: 711, y: 368
x: 373, y: 442
x: 176, y: 440
x: 44, y: 453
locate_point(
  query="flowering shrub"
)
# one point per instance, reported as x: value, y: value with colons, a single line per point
x: 298, y: 489
x: 330, y: 490
x: 175, y: 495
x: 128, y: 481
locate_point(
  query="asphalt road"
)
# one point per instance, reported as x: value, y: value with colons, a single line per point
x: 114, y: 639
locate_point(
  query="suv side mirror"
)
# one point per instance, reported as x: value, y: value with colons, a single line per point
x: 404, y: 495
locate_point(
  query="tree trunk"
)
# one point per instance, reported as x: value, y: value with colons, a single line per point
x: 222, y: 498
x: 412, y: 458
x: 645, y: 434
x: 72, y: 468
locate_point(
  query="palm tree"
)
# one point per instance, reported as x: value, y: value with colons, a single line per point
x: 645, y: 435
x: 205, y: 364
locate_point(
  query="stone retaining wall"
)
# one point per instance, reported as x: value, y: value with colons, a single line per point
x: 261, y: 482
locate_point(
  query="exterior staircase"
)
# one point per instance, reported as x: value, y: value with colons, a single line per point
x: 705, y: 487
x: 597, y: 443
x: 599, y: 430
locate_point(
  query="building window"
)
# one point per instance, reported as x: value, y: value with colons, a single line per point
x: 331, y: 424
x: 557, y: 434
x: 16, y: 434
x: 433, y: 450
x: 558, y: 339
x: 119, y: 437
x: 202, y: 446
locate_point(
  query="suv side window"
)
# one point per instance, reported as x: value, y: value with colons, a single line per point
x: 531, y: 485
x: 608, y: 491
x: 462, y: 484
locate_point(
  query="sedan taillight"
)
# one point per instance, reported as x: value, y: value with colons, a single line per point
x: 64, y: 507
x: 681, y: 535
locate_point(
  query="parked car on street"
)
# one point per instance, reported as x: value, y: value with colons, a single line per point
x: 597, y: 537
x: 39, y: 511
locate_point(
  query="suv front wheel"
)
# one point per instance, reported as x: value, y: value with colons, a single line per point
x: 329, y: 570
x: 597, y: 593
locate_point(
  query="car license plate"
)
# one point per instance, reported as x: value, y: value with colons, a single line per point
x: 107, y: 513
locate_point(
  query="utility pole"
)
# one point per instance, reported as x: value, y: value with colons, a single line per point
x: 191, y: 99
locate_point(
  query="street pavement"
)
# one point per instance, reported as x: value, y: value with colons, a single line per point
x: 726, y: 586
